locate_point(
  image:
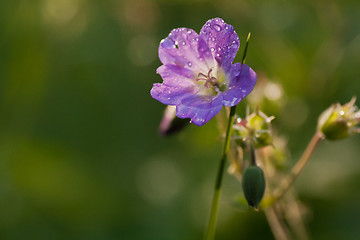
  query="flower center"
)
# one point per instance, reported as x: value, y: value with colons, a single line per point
x: 212, y: 84
x: 210, y: 81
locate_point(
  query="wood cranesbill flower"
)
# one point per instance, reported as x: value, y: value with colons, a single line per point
x: 198, y: 73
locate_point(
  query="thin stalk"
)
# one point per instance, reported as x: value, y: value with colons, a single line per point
x: 277, y: 226
x: 299, y: 166
x: 251, y: 150
x: 216, y: 198
x: 210, y: 234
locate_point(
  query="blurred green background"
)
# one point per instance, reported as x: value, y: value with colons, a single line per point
x: 80, y: 156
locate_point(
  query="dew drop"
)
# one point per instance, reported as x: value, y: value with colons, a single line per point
x: 212, y: 49
x: 227, y: 27
x: 219, y: 49
x: 213, y: 39
x: 218, y: 55
x: 189, y: 64
x: 217, y: 27
x: 183, y: 43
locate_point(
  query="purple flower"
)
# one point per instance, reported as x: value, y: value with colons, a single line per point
x: 199, y: 77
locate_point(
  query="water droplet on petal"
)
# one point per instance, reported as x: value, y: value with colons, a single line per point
x: 213, y: 39
x: 218, y: 55
x: 219, y: 49
x: 212, y: 49
x: 183, y: 43
x: 189, y: 64
x: 227, y: 27
x: 217, y: 27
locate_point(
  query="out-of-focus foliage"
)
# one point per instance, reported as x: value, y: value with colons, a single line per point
x: 80, y: 156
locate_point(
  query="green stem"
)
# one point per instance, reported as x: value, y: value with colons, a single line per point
x: 251, y: 150
x: 210, y: 234
x: 216, y: 198
x: 245, y: 50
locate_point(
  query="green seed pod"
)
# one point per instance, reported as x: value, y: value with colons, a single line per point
x: 253, y: 185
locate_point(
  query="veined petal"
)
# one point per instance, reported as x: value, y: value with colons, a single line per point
x: 174, y: 75
x: 242, y: 82
x: 222, y: 41
x: 176, y: 86
x: 200, y: 109
x: 170, y: 95
x: 184, y: 48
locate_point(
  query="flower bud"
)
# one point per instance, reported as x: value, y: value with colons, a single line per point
x: 253, y: 184
x: 256, y: 128
x: 339, y: 121
x: 170, y: 124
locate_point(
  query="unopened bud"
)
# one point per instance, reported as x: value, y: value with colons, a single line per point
x: 253, y: 184
x: 170, y: 124
x: 339, y: 121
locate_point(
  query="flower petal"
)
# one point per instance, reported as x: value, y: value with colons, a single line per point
x: 199, y: 108
x: 222, y: 41
x: 177, y: 85
x: 170, y: 95
x: 174, y: 75
x: 184, y: 48
x: 242, y: 82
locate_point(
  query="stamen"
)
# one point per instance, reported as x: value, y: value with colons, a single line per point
x: 209, y: 80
